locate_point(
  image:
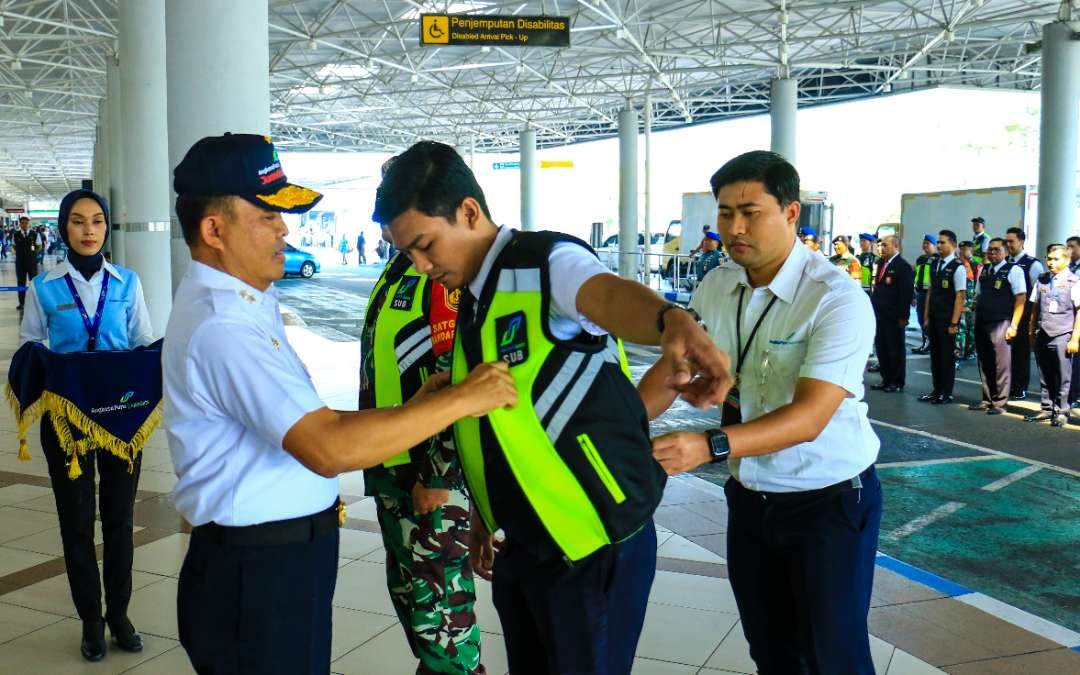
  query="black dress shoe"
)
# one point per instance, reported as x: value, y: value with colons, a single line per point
x: 127, y: 638
x: 995, y: 411
x: 1059, y: 421
x: 892, y: 389
x: 1038, y: 417
x: 944, y: 398
x: 93, y: 641
x: 932, y: 396
x: 1018, y: 395
x: 978, y: 406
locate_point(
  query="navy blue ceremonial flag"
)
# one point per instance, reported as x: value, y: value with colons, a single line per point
x: 109, y: 399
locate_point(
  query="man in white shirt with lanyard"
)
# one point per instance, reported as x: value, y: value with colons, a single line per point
x: 804, y: 502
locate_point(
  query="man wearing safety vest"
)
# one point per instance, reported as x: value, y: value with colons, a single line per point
x: 567, y: 474
x: 923, y: 265
x: 867, y: 260
x: 419, y: 495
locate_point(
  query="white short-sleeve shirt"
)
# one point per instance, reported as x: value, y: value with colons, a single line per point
x: 959, y: 280
x: 570, y: 266
x: 1074, y: 293
x: 1016, y: 279
x: 822, y: 328
x: 233, y: 389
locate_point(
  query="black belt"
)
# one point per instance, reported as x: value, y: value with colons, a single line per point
x: 276, y: 533
x: 855, y: 483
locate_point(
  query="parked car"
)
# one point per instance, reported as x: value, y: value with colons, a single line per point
x: 300, y: 262
x: 609, y: 251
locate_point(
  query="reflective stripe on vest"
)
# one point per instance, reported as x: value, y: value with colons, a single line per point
x: 402, y: 339
x: 513, y: 330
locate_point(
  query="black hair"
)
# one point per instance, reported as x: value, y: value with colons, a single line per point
x: 1056, y: 248
x: 996, y: 239
x: 779, y: 177
x: 947, y: 233
x: 191, y: 209
x: 1072, y: 239
x: 1018, y: 232
x: 966, y: 243
x: 430, y: 177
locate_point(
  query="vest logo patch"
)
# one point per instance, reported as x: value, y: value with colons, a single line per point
x: 513, y: 343
x: 406, y: 292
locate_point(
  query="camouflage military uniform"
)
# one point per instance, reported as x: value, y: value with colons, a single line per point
x: 965, y: 332
x: 427, y: 556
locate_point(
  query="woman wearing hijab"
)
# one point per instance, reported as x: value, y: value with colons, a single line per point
x: 86, y: 304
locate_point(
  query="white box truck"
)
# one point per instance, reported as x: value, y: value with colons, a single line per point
x: 1002, y: 207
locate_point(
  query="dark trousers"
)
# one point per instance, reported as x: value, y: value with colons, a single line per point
x: 1020, y: 379
x: 258, y: 609
x: 76, y: 508
x: 891, y: 351
x: 920, y: 312
x: 995, y: 361
x: 584, y: 618
x: 802, y: 569
x: 1055, y: 371
x: 25, y: 269
x: 942, y: 355
x: 1074, y: 388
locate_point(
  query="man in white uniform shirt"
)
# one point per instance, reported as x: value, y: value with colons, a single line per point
x: 255, y: 450
x: 941, y: 317
x: 1015, y: 238
x: 804, y: 502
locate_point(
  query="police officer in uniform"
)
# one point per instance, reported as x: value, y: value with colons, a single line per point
x: 1001, y: 294
x: 923, y: 264
x: 26, y: 245
x: 568, y: 474
x: 61, y: 306
x: 843, y: 258
x: 980, y: 240
x: 944, y: 305
x: 422, y: 508
x: 255, y: 451
x: 867, y: 260
x: 892, y: 292
x: 1021, y: 346
x: 1055, y: 325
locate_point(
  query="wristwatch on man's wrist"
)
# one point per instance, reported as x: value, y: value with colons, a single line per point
x: 718, y: 444
x: 669, y: 306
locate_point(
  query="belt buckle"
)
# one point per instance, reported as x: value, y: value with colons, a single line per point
x: 341, y: 513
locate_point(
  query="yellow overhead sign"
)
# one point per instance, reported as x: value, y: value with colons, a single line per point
x: 556, y: 164
x: 506, y: 31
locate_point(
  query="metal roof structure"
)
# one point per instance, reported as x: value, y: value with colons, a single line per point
x: 351, y: 74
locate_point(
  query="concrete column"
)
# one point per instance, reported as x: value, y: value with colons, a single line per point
x: 529, y: 167
x: 146, y: 152
x: 472, y: 153
x: 628, y: 132
x: 218, y: 65
x: 1058, y: 136
x: 647, y: 261
x: 115, y: 132
x: 783, y: 103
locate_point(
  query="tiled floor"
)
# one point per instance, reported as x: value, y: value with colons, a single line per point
x: 691, y: 627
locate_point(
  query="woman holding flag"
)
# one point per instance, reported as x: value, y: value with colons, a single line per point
x: 88, y: 304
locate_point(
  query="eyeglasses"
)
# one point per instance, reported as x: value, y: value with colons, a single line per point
x: 995, y: 249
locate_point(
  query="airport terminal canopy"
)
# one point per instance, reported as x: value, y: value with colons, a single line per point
x: 353, y: 74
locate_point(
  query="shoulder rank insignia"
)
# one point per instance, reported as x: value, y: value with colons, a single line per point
x: 247, y: 295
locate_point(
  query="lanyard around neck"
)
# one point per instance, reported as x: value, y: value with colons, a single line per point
x: 744, y: 350
x: 92, y: 326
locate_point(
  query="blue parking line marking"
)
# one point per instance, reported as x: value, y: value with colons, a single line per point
x: 919, y: 575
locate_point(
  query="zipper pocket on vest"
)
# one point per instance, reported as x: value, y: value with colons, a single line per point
x: 601, y: 469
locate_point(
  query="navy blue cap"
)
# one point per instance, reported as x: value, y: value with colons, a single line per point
x: 867, y: 236
x: 930, y: 238
x: 65, y: 212
x: 712, y: 235
x: 244, y: 165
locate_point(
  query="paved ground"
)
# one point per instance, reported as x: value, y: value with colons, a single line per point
x: 989, y: 503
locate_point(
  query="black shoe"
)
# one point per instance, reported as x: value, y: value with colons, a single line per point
x: 892, y: 389
x: 995, y: 411
x: 93, y: 645
x: 1018, y: 395
x: 127, y: 638
x: 1059, y: 421
x: 932, y: 396
x: 944, y: 398
x: 1039, y: 416
x: 982, y: 405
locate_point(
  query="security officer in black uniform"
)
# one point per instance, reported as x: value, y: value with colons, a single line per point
x: 26, y: 265
x: 1021, y: 346
x: 568, y: 474
x: 999, y: 310
x: 944, y: 305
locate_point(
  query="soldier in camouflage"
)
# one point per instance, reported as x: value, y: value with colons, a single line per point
x: 423, y: 513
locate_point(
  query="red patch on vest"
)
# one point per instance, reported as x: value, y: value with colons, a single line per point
x: 444, y: 307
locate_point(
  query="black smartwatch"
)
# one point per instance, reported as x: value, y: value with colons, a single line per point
x: 718, y: 444
x: 670, y: 306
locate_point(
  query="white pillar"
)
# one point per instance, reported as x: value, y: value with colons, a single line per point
x: 529, y: 167
x: 146, y: 152
x: 472, y: 153
x: 117, y: 206
x: 783, y: 104
x: 218, y: 65
x: 1058, y: 135
x: 628, y: 132
x: 647, y: 260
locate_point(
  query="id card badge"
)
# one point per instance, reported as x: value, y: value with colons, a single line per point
x: 944, y: 283
x: 997, y: 284
x: 1053, y: 306
x: 730, y: 411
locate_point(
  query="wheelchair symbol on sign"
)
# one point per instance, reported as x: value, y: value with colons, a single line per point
x: 434, y: 31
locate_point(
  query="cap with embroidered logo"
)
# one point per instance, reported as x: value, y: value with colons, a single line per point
x: 244, y: 165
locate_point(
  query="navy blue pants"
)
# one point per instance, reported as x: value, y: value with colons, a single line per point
x: 802, y: 569
x: 584, y: 618
x: 258, y: 609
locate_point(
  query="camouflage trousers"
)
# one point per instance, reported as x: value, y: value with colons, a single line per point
x: 430, y: 581
x: 965, y: 335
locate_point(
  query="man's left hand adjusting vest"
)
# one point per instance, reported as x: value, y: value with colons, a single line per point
x: 573, y: 459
